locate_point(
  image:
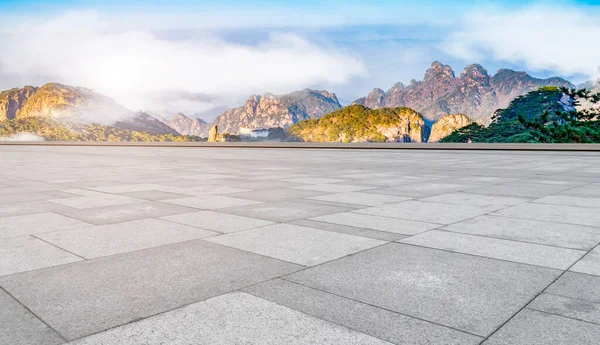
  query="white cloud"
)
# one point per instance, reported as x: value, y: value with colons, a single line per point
x: 133, y: 65
x: 540, y: 37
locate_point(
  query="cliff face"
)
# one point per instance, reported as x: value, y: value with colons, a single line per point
x: 474, y: 93
x: 70, y: 104
x: 446, y: 125
x: 269, y: 111
x: 186, y: 126
x: 357, y: 123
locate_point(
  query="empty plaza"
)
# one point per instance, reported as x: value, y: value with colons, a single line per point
x: 200, y: 245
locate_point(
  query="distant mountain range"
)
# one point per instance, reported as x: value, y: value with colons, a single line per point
x: 472, y: 96
x: 269, y: 111
x: 474, y: 93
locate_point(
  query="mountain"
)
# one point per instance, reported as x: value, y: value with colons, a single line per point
x: 186, y: 126
x: 69, y: 105
x: 446, y: 125
x: 506, y: 126
x: 356, y: 123
x: 474, y: 93
x: 269, y: 111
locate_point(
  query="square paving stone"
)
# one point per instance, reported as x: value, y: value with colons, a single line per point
x: 429, y: 212
x: 91, y: 296
x: 20, y: 254
x: 577, y: 285
x: 532, y: 327
x: 590, y: 263
x: 554, y: 213
x: 335, y: 188
x: 490, y: 202
x: 569, y: 201
x: 465, y: 292
x: 20, y: 327
x: 285, y: 211
x: 29, y: 207
x: 395, y: 225
x: 422, y: 189
x: 384, y: 324
x: 314, y: 180
x: 211, y: 202
x: 124, y: 237
x: 533, y: 231
x: 30, y: 224
x: 271, y: 195
x: 127, y: 188
x: 527, y: 253
x: 569, y: 307
x: 85, y: 202
x: 527, y: 191
x: 216, y: 221
x: 304, y: 246
x: 592, y: 190
x: 350, y: 230
x: 123, y: 213
x: 358, y: 198
x: 234, y: 318
x: 154, y: 195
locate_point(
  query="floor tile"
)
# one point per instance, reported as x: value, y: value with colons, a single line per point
x: 20, y: 327
x: 395, y: 225
x: 568, y: 307
x: 577, y: 285
x: 127, y: 188
x: 314, y: 180
x: 426, y: 212
x: 235, y: 318
x: 285, y: 211
x: 349, y: 230
x: 211, y: 202
x: 465, y: 292
x: 554, y: 213
x: 216, y: 221
x: 532, y: 327
x: 154, y: 195
x: 590, y: 263
x: 335, y: 188
x: 300, y: 245
x: 383, y: 324
x: 272, y: 195
x: 359, y: 198
x: 569, y: 201
x: 20, y: 254
x: 91, y: 296
x: 533, y: 231
x: 31, y: 224
x: 124, y: 213
x: 104, y: 240
x: 527, y: 253
x: 490, y: 202
x: 85, y: 202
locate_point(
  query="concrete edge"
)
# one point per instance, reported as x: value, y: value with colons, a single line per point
x: 302, y: 145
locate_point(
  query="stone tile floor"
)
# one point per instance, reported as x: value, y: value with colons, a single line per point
x: 108, y: 245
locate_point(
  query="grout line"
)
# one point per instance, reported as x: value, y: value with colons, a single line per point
x: 564, y: 316
x: 56, y: 246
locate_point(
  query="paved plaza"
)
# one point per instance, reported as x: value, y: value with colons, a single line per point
x: 187, y: 246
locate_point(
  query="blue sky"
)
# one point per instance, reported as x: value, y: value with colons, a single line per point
x: 201, y: 56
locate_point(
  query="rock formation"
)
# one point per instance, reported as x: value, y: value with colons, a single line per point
x: 69, y: 104
x: 213, y: 133
x: 474, y: 93
x: 446, y: 125
x: 186, y: 126
x: 269, y: 111
x: 357, y: 123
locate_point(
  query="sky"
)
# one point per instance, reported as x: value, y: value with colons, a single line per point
x: 200, y: 57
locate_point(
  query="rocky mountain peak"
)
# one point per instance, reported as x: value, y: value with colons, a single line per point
x: 439, y: 71
x: 473, y: 93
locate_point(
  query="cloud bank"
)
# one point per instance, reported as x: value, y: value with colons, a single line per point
x: 135, y: 66
x: 541, y: 38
